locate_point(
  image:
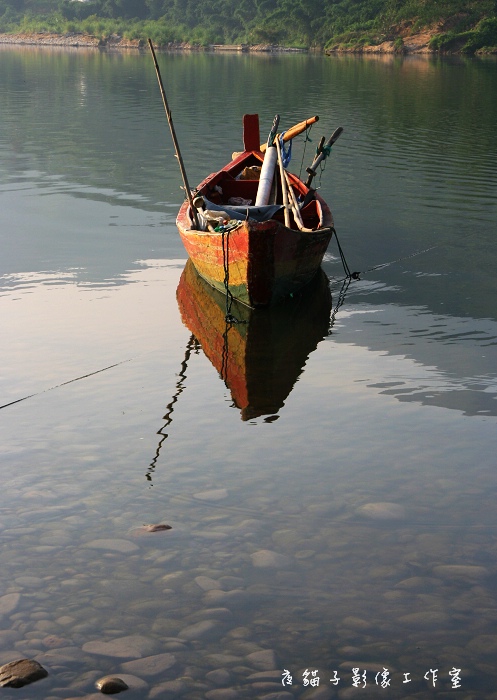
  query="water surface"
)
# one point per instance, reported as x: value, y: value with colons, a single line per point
x: 348, y: 525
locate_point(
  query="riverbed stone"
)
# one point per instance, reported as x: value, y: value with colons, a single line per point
x: 169, y: 689
x: 418, y: 583
x: 134, y: 682
x: 158, y: 527
x: 266, y: 559
x: 484, y: 645
x: 222, y: 694
x: 53, y: 641
x: 223, y: 659
x: 130, y: 647
x: 322, y: 693
x: 460, y: 571
x: 18, y: 673
x: 220, y: 676
x: 382, y: 511
x: 62, y: 656
x: 176, y: 579
x: 248, y: 526
x: 357, y: 623
x: 212, y: 613
x: 266, y: 686
x: 29, y: 581
x: 207, y: 584
x: 425, y: 618
x: 211, y: 495
x: 8, y: 603
x: 113, y: 545
x: 200, y: 630
x: 264, y: 660
x: 110, y: 685
x: 228, y: 583
x: 270, y: 676
x: 231, y: 599
x: 150, y: 666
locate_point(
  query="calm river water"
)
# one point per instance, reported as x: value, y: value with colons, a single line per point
x: 340, y: 526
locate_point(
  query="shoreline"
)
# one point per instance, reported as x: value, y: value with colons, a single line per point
x: 75, y: 40
x: 416, y: 44
x: 404, y: 45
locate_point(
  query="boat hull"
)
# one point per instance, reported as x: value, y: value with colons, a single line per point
x: 259, y: 262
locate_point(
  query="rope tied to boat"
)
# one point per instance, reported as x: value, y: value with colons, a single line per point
x: 306, y: 140
x: 225, y: 233
x: 348, y: 274
x: 325, y: 149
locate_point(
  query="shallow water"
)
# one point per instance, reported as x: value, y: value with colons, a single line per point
x: 353, y: 524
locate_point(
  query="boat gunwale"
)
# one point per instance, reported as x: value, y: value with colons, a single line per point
x: 184, y: 219
x: 267, y: 259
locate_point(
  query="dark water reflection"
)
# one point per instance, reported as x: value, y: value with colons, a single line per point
x: 355, y: 531
x: 261, y: 354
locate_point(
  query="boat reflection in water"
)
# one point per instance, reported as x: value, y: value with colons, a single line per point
x: 261, y: 356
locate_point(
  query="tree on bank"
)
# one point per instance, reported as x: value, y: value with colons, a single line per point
x: 465, y: 26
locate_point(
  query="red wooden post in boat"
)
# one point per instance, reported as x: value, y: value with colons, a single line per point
x: 251, y: 135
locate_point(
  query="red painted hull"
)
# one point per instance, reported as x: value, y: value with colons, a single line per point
x: 259, y: 262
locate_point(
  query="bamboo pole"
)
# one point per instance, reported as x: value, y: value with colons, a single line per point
x: 295, y: 206
x: 284, y: 190
x: 175, y: 140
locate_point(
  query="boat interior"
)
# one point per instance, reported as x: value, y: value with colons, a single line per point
x: 235, y: 187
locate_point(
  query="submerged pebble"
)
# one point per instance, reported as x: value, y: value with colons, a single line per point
x: 160, y: 527
x: 265, y: 558
x: 111, y: 685
x: 221, y: 616
x: 211, y: 495
x: 382, y: 511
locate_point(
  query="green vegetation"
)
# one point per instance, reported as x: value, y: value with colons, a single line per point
x: 466, y: 26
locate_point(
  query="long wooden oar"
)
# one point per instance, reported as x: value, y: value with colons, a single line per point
x: 175, y: 140
x: 294, y: 130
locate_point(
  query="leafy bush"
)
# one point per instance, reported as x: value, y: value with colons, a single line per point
x: 468, y: 25
x: 485, y: 34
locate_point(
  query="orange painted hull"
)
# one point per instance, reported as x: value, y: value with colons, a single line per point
x: 259, y: 262
x: 262, y: 262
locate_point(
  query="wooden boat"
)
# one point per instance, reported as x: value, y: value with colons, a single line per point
x: 261, y: 357
x: 261, y: 254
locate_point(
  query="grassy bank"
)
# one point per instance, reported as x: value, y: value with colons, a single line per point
x: 455, y: 26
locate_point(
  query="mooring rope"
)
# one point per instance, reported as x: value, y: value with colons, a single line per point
x: 229, y: 317
x: 70, y: 381
x: 225, y: 234
x: 356, y: 275
x: 348, y: 273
